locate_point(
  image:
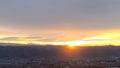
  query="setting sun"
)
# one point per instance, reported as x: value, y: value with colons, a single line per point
x: 71, y: 47
x: 75, y: 43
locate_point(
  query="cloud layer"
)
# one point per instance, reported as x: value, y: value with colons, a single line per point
x: 54, y: 14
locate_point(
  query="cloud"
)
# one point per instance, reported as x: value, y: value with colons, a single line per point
x: 96, y: 40
x: 9, y: 39
x: 34, y: 38
x: 79, y: 14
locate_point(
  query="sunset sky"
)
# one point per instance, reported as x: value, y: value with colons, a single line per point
x: 72, y: 22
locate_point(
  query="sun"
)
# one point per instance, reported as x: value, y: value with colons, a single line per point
x: 72, y: 45
x: 75, y: 43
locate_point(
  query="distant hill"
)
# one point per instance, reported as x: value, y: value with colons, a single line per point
x: 8, y: 52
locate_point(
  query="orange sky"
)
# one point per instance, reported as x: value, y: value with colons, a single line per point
x: 62, y: 36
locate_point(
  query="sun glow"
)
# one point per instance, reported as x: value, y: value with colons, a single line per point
x: 75, y: 43
x: 99, y: 40
x: 71, y: 47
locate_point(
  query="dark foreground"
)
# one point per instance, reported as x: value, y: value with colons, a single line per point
x: 59, y: 57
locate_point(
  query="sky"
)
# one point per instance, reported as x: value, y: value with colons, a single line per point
x: 74, y: 22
